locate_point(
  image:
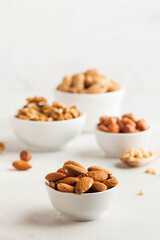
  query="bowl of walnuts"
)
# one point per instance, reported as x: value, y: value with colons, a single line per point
x: 46, y: 127
x: 81, y: 194
x: 115, y: 136
x: 93, y: 93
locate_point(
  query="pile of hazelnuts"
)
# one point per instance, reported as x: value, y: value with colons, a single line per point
x: 127, y: 124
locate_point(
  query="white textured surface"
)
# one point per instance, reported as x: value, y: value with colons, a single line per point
x: 25, y: 210
x: 40, y: 41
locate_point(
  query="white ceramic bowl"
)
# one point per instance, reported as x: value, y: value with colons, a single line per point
x: 94, y: 105
x: 115, y: 144
x: 46, y: 136
x: 85, y: 207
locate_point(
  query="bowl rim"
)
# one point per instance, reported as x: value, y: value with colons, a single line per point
x: 91, y: 95
x: 123, y: 134
x: 12, y: 116
x: 86, y: 194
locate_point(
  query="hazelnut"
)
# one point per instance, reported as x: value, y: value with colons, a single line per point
x: 103, y: 128
x: 114, y: 128
x: 128, y: 128
x: 126, y: 120
x: 25, y: 156
x: 104, y: 120
x: 2, y: 146
x: 130, y: 115
x: 142, y: 125
x: 113, y: 120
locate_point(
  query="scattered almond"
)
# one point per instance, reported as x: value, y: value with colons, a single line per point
x: 21, y: 165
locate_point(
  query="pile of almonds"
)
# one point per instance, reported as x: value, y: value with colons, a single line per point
x: 38, y: 109
x: 91, y: 81
x: 23, y: 164
x: 74, y: 178
x: 127, y: 124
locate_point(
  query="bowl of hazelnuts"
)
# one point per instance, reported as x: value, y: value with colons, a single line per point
x: 116, y: 135
x: 93, y: 93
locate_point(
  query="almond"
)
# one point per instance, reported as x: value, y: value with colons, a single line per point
x: 98, y: 175
x: 96, y: 168
x: 98, y: 187
x: 69, y: 180
x: 73, y: 163
x: 63, y: 187
x: 83, y: 185
x: 81, y: 175
x: 52, y: 185
x: 60, y: 170
x: 55, y: 176
x: 21, y: 165
x: 73, y: 170
x: 111, y: 182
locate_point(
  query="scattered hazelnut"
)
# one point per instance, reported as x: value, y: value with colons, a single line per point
x: 25, y: 156
x: 2, y: 146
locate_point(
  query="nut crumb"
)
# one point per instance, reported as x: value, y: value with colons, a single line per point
x: 141, y: 193
x: 151, y: 171
x: 148, y: 170
x: 154, y: 172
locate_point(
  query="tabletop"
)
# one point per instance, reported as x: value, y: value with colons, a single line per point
x: 26, y: 212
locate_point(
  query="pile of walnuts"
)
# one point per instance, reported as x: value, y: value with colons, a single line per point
x: 37, y: 109
x: 74, y: 178
x: 127, y: 124
x: 89, y: 82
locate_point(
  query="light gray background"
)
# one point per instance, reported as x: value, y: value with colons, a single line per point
x: 41, y: 40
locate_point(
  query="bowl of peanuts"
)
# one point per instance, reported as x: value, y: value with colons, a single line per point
x: 115, y: 136
x: 93, y: 93
x: 81, y: 194
x: 46, y: 127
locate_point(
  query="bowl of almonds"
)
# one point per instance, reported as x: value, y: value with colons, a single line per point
x: 81, y: 194
x: 116, y: 135
x: 46, y: 127
x: 93, y: 93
